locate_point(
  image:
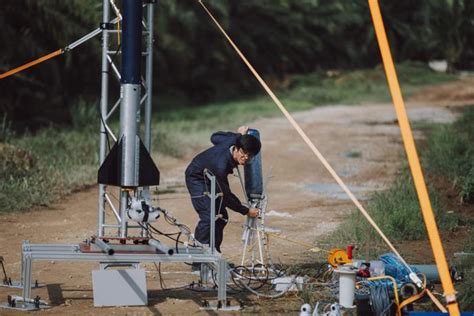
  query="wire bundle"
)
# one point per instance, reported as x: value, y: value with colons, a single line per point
x: 175, y: 236
x: 380, y: 295
x: 258, y: 280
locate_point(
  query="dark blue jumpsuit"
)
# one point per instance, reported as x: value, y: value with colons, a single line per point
x: 219, y: 161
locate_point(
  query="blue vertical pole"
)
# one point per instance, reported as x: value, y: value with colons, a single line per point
x: 253, y: 173
x: 130, y: 94
x: 131, y: 41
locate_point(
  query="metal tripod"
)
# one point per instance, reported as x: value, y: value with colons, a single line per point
x: 254, y: 248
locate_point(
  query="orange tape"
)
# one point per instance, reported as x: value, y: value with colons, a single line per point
x: 413, y: 160
x: 31, y: 64
x: 414, y: 297
x: 436, y: 301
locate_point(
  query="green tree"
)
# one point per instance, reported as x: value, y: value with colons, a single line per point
x: 30, y: 29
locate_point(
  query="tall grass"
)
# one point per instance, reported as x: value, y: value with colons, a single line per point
x: 38, y: 169
x: 63, y: 161
x: 450, y: 153
x: 6, y: 132
x: 397, y: 212
x: 465, y: 288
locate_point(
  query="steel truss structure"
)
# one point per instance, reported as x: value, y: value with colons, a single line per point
x: 107, y: 111
x: 127, y: 255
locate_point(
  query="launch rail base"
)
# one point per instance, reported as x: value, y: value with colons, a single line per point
x: 72, y: 252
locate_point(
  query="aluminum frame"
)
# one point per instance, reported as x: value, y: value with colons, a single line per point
x: 104, y: 202
x: 72, y: 252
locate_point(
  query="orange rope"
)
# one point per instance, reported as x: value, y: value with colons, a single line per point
x: 32, y: 63
x: 436, y: 301
x: 303, y: 135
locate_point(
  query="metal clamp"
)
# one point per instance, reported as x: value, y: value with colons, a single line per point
x: 106, y: 26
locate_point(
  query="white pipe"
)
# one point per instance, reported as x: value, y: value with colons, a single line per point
x: 346, y: 287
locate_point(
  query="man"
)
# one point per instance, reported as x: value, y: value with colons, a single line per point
x: 229, y: 150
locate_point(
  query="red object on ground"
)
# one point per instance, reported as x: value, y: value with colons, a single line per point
x: 349, y: 251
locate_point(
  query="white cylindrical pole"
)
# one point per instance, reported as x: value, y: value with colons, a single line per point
x: 346, y: 287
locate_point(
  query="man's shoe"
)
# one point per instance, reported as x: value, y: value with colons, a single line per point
x: 196, y: 268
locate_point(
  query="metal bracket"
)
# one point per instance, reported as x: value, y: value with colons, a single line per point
x: 106, y: 26
x: 219, y: 306
x: 18, y: 303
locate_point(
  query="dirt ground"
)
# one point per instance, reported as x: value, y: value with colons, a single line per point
x: 362, y: 143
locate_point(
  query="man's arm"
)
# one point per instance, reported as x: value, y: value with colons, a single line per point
x: 220, y: 137
x: 230, y: 200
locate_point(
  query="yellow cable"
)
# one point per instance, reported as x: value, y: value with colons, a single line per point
x: 305, y: 137
x: 31, y: 64
x: 408, y: 141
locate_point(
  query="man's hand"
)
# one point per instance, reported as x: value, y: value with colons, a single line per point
x: 253, y: 212
x: 243, y: 129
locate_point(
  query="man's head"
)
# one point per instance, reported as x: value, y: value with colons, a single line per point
x: 246, y: 147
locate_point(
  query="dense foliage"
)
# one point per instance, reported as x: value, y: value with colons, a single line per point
x: 192, y: 61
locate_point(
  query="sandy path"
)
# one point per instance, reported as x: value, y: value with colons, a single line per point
x: 362, y: 143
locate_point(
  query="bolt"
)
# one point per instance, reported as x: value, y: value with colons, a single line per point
x: 37, y: 302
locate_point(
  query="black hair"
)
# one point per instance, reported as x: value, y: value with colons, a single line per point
x: 250, y: 144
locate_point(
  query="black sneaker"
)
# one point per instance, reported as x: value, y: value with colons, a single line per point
x: 196, y: 268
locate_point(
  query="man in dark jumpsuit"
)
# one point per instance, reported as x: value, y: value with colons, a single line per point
x: 229, y: 151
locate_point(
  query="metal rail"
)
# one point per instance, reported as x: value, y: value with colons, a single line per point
x: 72, y: 252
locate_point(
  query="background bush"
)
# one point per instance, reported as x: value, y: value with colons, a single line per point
x: 193, y: 63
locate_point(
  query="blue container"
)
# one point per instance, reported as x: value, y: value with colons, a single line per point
x: 253, y: 173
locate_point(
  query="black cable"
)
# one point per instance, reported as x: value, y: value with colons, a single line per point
x: 116, y: 53
x: 105, y: 132
x: 379, y: 297
x: 5, y: 279
x: 177, y: 242
x: 262, y: 281
x: 258, y: 282
x: 235, y: 272
x: 162, y: 284
x: 156, y: 230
